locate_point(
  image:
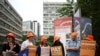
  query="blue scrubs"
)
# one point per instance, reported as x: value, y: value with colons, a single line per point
x: 73, y: 44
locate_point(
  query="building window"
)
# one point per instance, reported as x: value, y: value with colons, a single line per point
x: 45, y: 28
x: 50, y: 28
x: 49, y: 11
x: 45, y: 32
x: 45, y: 14
x: 2, y: 23
x: 45, y: 11
x: 53, y: 15
x: 51, y: 32
x: 45, y: 4
x: 45, y: 25
x: 45, y: 18
x: 2, y: 1
x: 45, y: 21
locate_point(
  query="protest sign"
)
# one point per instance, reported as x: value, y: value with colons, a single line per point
x: 87, y: 48
x: 45, y: 51
x: 56, y: 51
x: 32, y: 51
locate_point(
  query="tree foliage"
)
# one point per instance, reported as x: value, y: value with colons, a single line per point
x: 91, y: 9
x: 68, y: 8
x: 50, y: 40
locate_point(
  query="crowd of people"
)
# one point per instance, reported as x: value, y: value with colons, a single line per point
x: 11, y: 48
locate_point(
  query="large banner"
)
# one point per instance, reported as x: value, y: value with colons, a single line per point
x: 87, y: 48
x: 56, y: 51
x: 77, y: 23
x: 45, y: 51
x: 86, y: 27
x: 62, y: 27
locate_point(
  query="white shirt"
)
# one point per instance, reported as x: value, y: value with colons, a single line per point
x: 25, y: 44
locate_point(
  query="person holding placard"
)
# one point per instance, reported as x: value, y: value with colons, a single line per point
x: 43, y: 48
x: 57, y: 48
x: 28, y: 42
x: 11, y: 48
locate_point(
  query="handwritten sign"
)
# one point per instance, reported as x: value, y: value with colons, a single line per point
x: 45, y: 51
x: 32, y: 51
x: 87, y: 48
x: 56, y: 51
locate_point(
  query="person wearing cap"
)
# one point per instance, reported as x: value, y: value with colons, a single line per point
x: 11, y: 47
x: 57, y: 42
x: 43, y: 43
x: 89, y: 38
x: 28, y: 42
x: 73, y: 45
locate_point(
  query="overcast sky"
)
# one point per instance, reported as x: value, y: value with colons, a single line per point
x: 31, y: 9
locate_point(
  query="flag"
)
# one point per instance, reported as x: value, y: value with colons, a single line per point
x: 23, y: 53
x: 77, y: 23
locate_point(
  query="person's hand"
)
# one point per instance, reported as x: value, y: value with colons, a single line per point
x: 12, y: 47
x: 11, y: 51
x: 15, y: 54
x: 74, y: 48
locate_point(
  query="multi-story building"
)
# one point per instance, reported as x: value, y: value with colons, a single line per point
x: 49, y: 15
x: 31, y: 26
x: 27, y: 27
x: 10, y: 21
x: 36, y: 28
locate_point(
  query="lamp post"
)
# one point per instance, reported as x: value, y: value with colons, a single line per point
x: 72, y: 12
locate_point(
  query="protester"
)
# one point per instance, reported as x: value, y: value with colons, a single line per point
x: 28, y: 42
x: 42, y: 44
x: 11, y: 47
x: 73, y: 45
x: 58, y: 43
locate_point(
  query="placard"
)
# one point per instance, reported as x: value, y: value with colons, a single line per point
x: 56, y: 51
x: 45, y: 51
x: 87, y: 48
x: 32, y: 51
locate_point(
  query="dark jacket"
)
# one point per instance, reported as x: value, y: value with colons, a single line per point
x: 38, y: 51
x: 58, y: 43
x: 7, y: 47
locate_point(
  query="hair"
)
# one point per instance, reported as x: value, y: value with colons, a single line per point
x: 13, y: 39
x: 45, y: 44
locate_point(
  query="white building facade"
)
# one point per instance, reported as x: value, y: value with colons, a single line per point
x: 49, y: 15
x: 10, y: 21
x: 31, y: 26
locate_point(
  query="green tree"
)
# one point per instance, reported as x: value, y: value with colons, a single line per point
x: 37, y: 42
x: 91, y: 9
x: 23, y: 38
x: 50, y: 40
x: 68, y: 8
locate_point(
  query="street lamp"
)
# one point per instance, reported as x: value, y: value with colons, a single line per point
x: 72, y: 4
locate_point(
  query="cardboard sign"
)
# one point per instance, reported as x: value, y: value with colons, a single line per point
x: 56, y: 51
x: 32, y: 51
x: 45, y: 51
x: 87, y: 48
